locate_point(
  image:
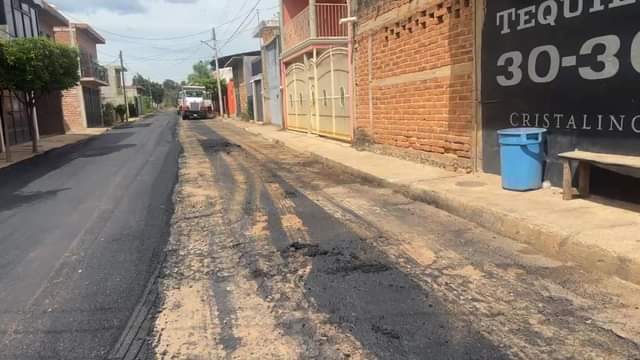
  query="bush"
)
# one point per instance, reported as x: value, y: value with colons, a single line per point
x: 108, y: 114
x: 121, y: 111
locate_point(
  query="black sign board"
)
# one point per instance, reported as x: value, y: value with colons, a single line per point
x: 571, y: 66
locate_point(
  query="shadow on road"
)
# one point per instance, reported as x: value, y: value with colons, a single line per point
x: 20, y: 199
x: 20, y: 175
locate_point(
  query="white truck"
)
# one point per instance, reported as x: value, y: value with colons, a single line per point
x: 194, y: 102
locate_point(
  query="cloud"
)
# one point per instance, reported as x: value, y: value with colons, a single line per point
x: 90, y: 6
x: 117, y: 6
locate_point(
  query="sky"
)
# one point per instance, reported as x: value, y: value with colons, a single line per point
x: 161, y: 39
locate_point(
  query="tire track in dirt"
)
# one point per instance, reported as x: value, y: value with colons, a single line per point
x: 327, y: 266
x: 253, y: 207
x: 527, y: 318
x: 185, y: 326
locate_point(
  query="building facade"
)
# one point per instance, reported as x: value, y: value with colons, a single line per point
x: 18, y: 19
x: 241, y: 67
x: 414, y: 64
x: 113, y: 93
x: 257, y: 110
x: 315, y: 68
x: 82, y: 105
x: 269, y: 34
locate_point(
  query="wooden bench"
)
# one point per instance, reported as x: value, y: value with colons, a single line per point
x: 585, y: 159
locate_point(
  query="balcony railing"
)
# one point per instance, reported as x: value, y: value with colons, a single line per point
x: 89, y: 68
x: 327, y: 24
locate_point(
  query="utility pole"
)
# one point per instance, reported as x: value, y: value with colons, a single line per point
x: 124, y: 88
x: 215, y: 57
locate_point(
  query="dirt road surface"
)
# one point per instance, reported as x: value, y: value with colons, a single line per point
x: 274, y: 255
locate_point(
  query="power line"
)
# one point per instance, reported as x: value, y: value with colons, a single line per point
x: 152, y: 39
x: 241, y: 24
x: 124, y: 36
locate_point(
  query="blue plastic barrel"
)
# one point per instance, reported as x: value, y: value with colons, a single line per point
x: 521, y: 158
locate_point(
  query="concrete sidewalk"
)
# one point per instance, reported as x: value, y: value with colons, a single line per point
x: 595, y: 234
x: 23, y: 152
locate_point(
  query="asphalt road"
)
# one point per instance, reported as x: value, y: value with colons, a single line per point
x: 81, y: 231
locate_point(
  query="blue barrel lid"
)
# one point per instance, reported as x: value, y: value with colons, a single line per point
x: 521, y: 131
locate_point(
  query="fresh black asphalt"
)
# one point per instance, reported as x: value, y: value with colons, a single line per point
x: 82, y: 229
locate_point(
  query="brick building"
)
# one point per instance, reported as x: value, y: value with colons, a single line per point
x: 82, y: 104
x: 414, y: 78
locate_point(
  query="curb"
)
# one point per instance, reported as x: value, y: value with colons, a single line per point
x: 550, y: 242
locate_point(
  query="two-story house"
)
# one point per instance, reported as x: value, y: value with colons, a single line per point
x: 114, y: 92
x: 82, y: 104
x: 18, y: 19
x: 315, y: 67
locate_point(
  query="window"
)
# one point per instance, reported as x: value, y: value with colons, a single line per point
x: 34, y: 22
x: 324, y: 97
x: 300, y: 99
x: 291, y: 100
x: 342, y: 99
x: 19, y: 26
x: 194, y: 93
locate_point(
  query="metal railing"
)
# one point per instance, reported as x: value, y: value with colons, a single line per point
x: 328, y: 20
x: 89, y: 68
x: 327, y: 24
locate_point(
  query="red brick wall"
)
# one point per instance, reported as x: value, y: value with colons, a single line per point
x: 62, y: 36
x: 86, y: 44
x: 72, y: 110
x: 422, y: 74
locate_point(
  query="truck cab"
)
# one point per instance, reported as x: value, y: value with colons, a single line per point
x: 194, y: 102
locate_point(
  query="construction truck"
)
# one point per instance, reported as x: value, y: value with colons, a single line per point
x: 194, y: 102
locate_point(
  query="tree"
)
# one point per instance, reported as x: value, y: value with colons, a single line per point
x: 202, y: 76
x: 171, y: 89
x: 34, y: 67
x: 152, y: 89
x: 201, y: 73
x: 157, y: 93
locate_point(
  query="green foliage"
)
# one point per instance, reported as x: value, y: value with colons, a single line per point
x: 33, y: 67
x: 171, y: 89
x: 151, y: 88
x: 37, y: 65
x: 108, y: 114
x: 202, y: 76
x: 201, y: 73
x: 147, y: 107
